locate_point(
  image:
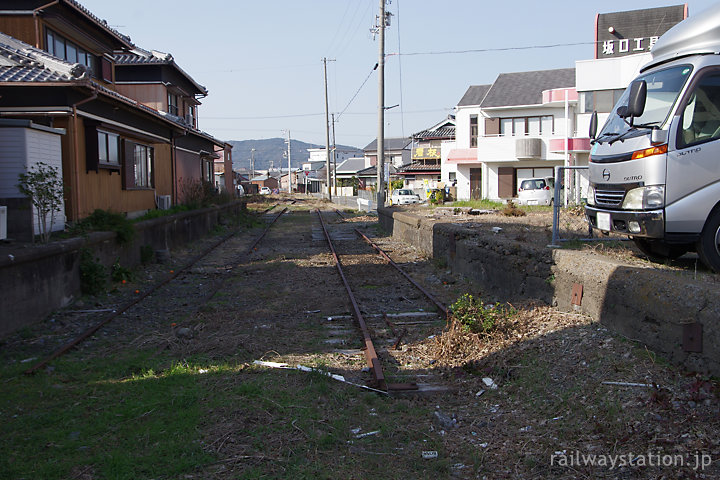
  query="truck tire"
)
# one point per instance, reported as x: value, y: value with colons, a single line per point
x: 708, y: 247
x: 658, y: 251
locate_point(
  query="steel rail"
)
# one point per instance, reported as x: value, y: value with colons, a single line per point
x: 373, y: 362
x: 115, y: 313
x: 437, y: 303
x: 387, y: 258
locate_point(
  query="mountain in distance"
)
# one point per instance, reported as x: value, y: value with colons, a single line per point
x: 271, y: 152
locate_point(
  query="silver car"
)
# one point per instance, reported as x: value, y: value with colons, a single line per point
x: 536, y: 191
x: 404, y: 196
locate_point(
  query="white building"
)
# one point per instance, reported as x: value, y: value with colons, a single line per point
x: 515, y: 128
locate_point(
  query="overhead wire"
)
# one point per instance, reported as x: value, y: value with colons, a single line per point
x: 357, y: 92
x: 499, y: 49
x: 357, y: 27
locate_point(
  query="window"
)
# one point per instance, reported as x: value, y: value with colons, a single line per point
x: 473, y: 130
x: 108, y: 148
x: 520, y: 126
x: 701, y: 116
x: 60, y: 47
x: 191, y: 116
x: 143, y: 166
x: 172, y: 104
x: 601, y: 101
x: 452, y: 176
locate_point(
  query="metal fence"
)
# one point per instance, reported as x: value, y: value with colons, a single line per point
x: 569, y: 222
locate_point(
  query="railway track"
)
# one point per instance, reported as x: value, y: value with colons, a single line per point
x: 372, y: 313
x: 174, y: 275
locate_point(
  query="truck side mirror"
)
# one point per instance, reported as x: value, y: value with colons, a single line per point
x: 636, y: 99
x: 593, y: 125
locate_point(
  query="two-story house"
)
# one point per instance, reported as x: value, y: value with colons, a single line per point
x: 155, y: 80
x: 519, y: 127
x: 59, y: 71
x: 425, y: 169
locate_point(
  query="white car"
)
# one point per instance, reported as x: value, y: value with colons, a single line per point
x: 536, y: 191
x: 265, y: 191
x: 404, y: 196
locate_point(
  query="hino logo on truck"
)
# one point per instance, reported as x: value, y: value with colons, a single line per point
x: 606, y: 175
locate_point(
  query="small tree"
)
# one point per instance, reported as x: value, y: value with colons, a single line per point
x: 43, y: 184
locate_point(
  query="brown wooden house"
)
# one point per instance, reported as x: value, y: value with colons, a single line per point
x: 125, y: 147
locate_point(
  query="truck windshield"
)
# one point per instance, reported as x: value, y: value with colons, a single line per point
x: 663, y: 88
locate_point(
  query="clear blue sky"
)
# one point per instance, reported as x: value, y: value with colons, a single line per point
x: 263, y: 59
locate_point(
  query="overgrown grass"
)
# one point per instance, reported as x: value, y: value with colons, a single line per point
x: 479, y: 204
x: 123, y: 418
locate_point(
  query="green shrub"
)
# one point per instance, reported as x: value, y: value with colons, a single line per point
x: 107, y: 221
x: 118, y: 273
x: 93, y: 275
x: 477, y: 317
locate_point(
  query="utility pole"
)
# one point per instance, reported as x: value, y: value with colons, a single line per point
x: 334, y: 152
x: 327, y: 133
x: 289, y: 167
x: 252, y: 163
x: 380, y: 164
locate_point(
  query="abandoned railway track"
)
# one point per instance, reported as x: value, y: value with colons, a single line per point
x: 111, y: 314
x: 377, y: 319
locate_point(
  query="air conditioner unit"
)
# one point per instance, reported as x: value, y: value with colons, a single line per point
x: 3, y: 223
x: 164, y: 202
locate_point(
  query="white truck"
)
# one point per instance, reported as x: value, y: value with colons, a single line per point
x: 655, y: 165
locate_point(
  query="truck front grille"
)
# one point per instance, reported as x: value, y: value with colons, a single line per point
x: 609, y: 198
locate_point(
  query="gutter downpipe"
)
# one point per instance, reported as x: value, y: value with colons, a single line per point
x: 36, y: 21
x: 76, y: 156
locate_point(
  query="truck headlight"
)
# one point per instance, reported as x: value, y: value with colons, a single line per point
x: 644, y: 198
x: 591, y: 195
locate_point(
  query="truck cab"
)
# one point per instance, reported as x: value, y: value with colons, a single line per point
x: 655, y: 165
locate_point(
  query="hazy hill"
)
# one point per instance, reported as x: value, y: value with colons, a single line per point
x: 270, y: 151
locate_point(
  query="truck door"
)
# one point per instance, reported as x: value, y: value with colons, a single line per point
x: 694, y: 165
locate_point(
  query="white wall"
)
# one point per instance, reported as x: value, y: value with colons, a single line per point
x: 608, y: 73
x: 20, y: 149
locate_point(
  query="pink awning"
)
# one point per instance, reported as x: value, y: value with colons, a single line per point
x: 463, y: 155
x: 575, y: 145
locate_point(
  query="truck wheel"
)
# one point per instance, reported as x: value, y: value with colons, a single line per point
x: 658, y: 251
x: 708, y: 247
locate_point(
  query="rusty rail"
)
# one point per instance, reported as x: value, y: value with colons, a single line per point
x: 373, y: 362
x: 387, y: 258
x: 115, y: 313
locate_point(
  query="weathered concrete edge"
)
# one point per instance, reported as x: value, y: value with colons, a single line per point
x: 650, y: 306
x: 38, y: 280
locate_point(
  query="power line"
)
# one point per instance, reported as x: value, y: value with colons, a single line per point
x: 266, y: 117
x: 485, y: 50
x: 358, y: 91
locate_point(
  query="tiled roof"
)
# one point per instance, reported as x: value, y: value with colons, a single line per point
x: 24, y: 63
x: 351, y: 165
x: 100, y: 23
x: 29, y: 74
x: 372, y: 171
x: 139, y: 56
x: 525, y: 88
x: 444, y: 133
x: 20, y: 62
x: 418, y: 167
x: 474, y: 95
x: 390, y: 144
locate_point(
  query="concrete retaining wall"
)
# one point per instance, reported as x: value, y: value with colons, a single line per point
x: 661, y: 309
x: 36, y: 280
